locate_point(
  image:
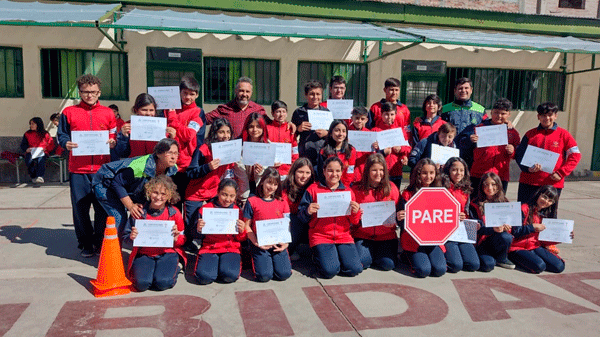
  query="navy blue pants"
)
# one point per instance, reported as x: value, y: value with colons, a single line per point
x: 190, y: 210
x: 299, y: 231
x: 268, y: 264
x: 381, y: 254
x: 332, y: 259
x: 159, y: 272
x: 224, y: 267
x: 82, y: 198
x: 493, y: 248
x: 461, y: 256
x: 427, y: 261
x: 537, y: 260
x: 113, y: 206
x: 35, y: 167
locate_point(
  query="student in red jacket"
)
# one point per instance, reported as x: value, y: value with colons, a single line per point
x: 391, y: 88
x: 526, y: 250
x: 219, y: 257
x: 376, y: 245
x: 156, y: 267
x: 360, y: 117
x: 332, y: 244
x: 37, y: 144
x: 88, y: 115
x: 548, y: 136
x: 337, y: 144
x: 279, y: 131
x: 430, y: 122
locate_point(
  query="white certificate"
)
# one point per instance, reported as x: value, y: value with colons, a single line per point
x: 503, y: 213
x: 258, y: 153
x: 220, y: 220
x: 283, y: 153
x: 557, y: 230
x: 340, y: 108
x: 148, y: 128
x: 492, y: 135
x: 166, y: 97
x: 333, y: 204
x: 229, y: 152
x: 466, y: 232
x: 320, y: 119
x: 37, y: 152
x: 274, y: 231
x: 90, y: 143
x: 378, y: 213
x: 362, y: 140
x: 441, y: 154
x: 391, y: 138
x: 535, y: 155
x: 154, y: 233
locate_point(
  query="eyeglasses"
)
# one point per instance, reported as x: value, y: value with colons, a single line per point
x: 172, y: 153
x: 88, y: 93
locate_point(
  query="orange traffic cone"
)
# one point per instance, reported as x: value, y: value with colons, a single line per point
x: 111, y: 278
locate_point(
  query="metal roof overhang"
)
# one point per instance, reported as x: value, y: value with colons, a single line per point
x: 54, y: 14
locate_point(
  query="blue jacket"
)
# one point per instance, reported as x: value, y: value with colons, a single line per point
x: 423, y: 149
x: 463, y: 113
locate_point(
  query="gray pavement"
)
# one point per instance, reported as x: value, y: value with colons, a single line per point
x: 44, y: 289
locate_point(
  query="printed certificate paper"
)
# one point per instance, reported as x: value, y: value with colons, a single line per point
x: 320, y: 119
x: 441, y: 154
x: 148, y: 128
x: 220, y: 220
x: 340, y: 108
x: 258, y: 153
x: 154, y: 233
x: 501, y: 213
x: 391, y: 138
x: 557, y: 230
x: 166, y: 97
x: 333, y: 204
x: 229, y: 152
x: 466, y: 232
x: 492, y: 135
x: 283, y: 153
x: 90, y: 143
x: 535, y: 155
x: 362, y: 140
x: 270, y: 232
x: 378, y: 213
x: 37, y: 152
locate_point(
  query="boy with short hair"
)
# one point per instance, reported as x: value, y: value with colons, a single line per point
x: 310, y: 141
x: 88, y: 115
x: 360, y: 117
x: 548, y: 136
x: 391, y: 88
x: 443, y: 137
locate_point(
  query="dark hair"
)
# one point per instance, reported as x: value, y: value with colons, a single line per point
x: 502, y: 104
x: 415, y: 183
x: 269, y: 174
x: 164, y: 145
x: 169, y: 185
x: 481, y: 198
x: 360, y: 111
x: 141, y: 101
x: 88, y: 79
x: 277, y: 104
x: 549, y: 212
x: 336, y: 79
x: 384, y: 188
x: 464, y: 184
x: 262, y: 122
x: 462, y: 81
x: 295, y: 192
x: 330, y: 159
x: 54, y: 116
x: 190, y: 83
x: 227, y: 182
x: 447, y: 128
x: 433, y: 98
x: 391, y: 82
x: 39, y: 123
x: 312, y: 84
x: 217, y: 124
x: 547, y: 108
x: 330, y: 145
x: 388, y: 106
x: 114, y: 107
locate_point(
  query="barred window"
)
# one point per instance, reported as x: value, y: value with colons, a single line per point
x: 61, y: 68
x: 575, y: 4
x: 11, y: 72
x: 355, y: 75
x: 221, y: 75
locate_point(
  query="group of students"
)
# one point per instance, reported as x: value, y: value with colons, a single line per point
x: 148, y: 185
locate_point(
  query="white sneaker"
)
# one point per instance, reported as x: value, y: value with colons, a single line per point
x: 39, y: 180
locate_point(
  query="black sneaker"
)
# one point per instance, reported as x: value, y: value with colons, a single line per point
x: 87, y: 252
x: 506, y: 264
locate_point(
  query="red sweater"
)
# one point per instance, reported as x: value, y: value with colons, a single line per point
x: 221, y: 243
x: 258, y: 209
x: 377, y: 233
x: 423, y: 129
x: 204, y: 183
x: 461, y: 197
x: 394, y: 160
x: 186, y: 122
x: 494, y: 158
x: 292, y: 205
x: 361, y: 157
x: 33, y: 139
x: 281, y: 133
x: 406, y: 240
x: 402, y: 115
x: 348, y: 174
x: 529, y: 241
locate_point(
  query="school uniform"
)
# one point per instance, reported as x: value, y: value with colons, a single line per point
x: 423, y: 149
x: 361, y: 157
x: 491, y: 246
x: 424, y: 128
x: 36, y: 167
x: 298, y: 228
x: 461, y: 255
x: 309, y: 143
x: 394, y: 160
x: 402, y: 119
x: 348, y: 175
x: 281, y: 133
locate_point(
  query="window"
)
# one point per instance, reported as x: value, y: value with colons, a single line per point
x: 221, y: 75
x: 355, y: 75
x: 61, y: 68
x: 11, y: 72
x: 576, y: 4
x: 526, y: 89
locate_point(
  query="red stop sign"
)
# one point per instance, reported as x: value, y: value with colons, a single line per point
x: 432, y: 215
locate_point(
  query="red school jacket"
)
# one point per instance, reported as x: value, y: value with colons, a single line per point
x: 393, y: 160
x: 361, y: 157
x: 424, y: 129
x: 402, y: 115
x: 348, y: 175
x: 494, y: 158
x: 529, y: 241
x: 204, y: 183
x: 281, y: 133
x: 377, y: 233
x: 186, y: 122
x: 33, y: 139
x: 221, y: 243
x: 292, y: 205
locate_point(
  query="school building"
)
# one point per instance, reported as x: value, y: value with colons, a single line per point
x: 525, y: 52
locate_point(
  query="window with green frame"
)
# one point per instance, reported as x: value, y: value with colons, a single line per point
x: 526, y: 89
x: 11, y: 72
x: 355, y: 75
x: 61, y: 68
x: 221, y: 75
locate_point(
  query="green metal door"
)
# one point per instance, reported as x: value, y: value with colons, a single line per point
x: 419, y: 80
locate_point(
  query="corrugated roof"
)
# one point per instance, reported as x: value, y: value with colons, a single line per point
x: 51, y: 12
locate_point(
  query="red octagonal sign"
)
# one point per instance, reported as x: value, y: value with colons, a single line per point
x: 432, y: 215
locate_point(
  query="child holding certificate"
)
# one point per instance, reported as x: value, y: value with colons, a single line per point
x: 526, y: 250
x: 271, y: 261
x: 430, y: 122
x: 455, y: 178
x: 443, y: 137
x: 279, y: 131
x: 423, y: 260
x: 310, y: 141
x: 156, y: 267
x: 332, y: 244
x: 377, y: 245
x: 219, y: 257
x: 492, y: 242
x: 337, y: 144
x: 37, y: 144
x: 396, y: 157
x: 360, y: 117
x: 204, y: 174
x: 255, y: 130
